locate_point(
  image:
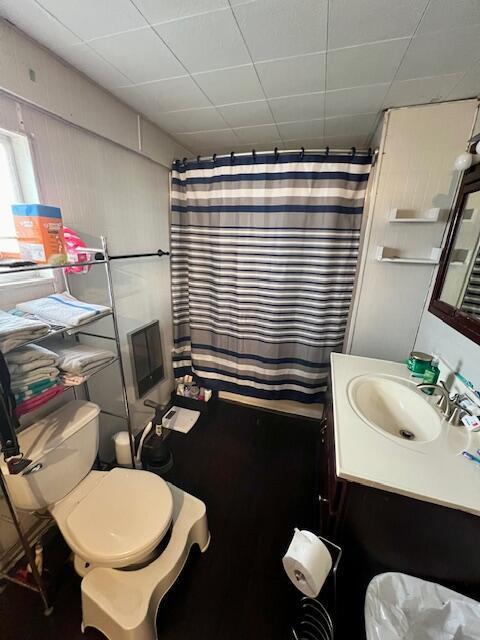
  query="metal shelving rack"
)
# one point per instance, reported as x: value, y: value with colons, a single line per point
x: 101, y: 256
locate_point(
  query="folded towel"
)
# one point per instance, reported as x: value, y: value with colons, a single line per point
x: 29, y: 358
x: 80, y: 359
x: 15, y: 331
x: 71, y: 380
x: 20, y: 396
x: 64, y: 309
x: 33, y: 376
x: 37, y: 401
x: 35, y: 387
x: 31, y: 316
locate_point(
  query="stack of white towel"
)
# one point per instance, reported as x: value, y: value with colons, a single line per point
x: 34, y: 376
x: 78, y: 362
x: 15, y: 331
x: 63, y: 309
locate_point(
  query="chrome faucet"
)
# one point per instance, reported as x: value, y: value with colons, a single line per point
x: 450, y: 409
x: 443, y: 403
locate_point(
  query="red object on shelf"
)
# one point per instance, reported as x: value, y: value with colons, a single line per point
x: 74, y: 245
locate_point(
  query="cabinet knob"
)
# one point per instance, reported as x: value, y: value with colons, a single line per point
x: 323, y: 500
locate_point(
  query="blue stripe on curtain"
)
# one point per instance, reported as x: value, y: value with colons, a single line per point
x: 264, y: 256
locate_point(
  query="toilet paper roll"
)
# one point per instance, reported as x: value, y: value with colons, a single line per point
x: 307, y: 562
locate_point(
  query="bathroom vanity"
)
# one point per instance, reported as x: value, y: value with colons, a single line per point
x: 396, y: 492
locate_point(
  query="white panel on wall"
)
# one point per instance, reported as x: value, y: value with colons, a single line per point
x: 416, y: 174
x: 434, y: 336
x: 104, y: 189
x: 61, y: 89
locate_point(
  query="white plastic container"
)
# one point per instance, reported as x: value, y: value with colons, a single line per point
x: 122, y: 449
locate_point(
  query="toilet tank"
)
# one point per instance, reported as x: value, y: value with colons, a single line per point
x: 62, y: 448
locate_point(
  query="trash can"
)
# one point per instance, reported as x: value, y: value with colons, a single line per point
x: 401, y: 607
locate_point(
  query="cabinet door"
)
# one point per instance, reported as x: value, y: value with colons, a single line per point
x: 332, y: 489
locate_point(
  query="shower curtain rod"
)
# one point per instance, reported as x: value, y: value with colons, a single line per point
x: 353, y: 151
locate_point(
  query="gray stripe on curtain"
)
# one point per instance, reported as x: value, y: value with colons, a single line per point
x: 263, y: 265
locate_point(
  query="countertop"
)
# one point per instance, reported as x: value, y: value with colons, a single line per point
x: 434, y: 471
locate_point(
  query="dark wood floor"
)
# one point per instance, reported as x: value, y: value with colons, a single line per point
x: 257, y: 473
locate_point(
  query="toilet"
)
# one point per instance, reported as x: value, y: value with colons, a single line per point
x: 130, y: 531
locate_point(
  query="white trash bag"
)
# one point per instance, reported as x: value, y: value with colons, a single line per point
x: 401, y: 607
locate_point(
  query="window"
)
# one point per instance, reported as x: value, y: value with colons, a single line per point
x: 17, y: 184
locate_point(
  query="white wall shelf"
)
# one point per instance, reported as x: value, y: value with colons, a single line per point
x: 388, y: 254
x: 408, y: 215
x: 459, y: 257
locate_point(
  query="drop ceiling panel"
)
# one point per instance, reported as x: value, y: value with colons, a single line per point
x: 166, y: 95
x: 86, y: 59
x: 205, y: 42
x: 421, y: 90
x: 303, y: 74
x: 193, y: 120
x: 92, y: 19
x: 247, y: 113
x: 351, y: 125
x: 260, y: 134
x: 445, y: 14
x: 364, y: 65
x: 226, y: 74
x: 206, y: 141
x: 352, y: 23
x: 434, y: 54
x: 226, y: 86
x: 156, y: 11
x: 140, y: 55
x: 281, y: 28
x: 469, y: 85
x: 356, y: 100
x: 312, y: 128
x: 29, y: 16
x: 308, y: 106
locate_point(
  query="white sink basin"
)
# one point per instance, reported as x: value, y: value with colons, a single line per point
x: 394, y: 408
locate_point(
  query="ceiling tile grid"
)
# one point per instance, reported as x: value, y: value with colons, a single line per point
x: 235, y: 74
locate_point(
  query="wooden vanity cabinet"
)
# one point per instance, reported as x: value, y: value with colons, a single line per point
x: 381, y: 531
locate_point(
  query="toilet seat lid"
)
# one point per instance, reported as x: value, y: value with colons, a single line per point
x: 126, y: 512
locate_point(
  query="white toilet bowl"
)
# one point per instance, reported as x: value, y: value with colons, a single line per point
x: 115, y: 519
x: 112, y: 519
x: 129, y: 531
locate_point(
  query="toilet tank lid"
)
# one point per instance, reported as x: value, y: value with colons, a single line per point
x: 49, y: 432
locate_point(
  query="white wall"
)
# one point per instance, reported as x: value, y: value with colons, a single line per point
x: 96, y: 160
x: 93, y: 158
x: 434, y: 336
x: 419, y: 145
x: 68, y: 93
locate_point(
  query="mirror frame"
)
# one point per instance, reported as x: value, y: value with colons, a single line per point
x: 463, y: 323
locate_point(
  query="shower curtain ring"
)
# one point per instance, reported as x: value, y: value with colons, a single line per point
x: 232, y: 157
x: 275, y: 151
x: 302, y: 153
x: 198, y: 158
x: 354, y: 151
x: 327, y: 150
x: 214, y: 158
x: 254, y: 155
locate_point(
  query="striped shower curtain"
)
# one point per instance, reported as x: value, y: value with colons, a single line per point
x: 264, y: 250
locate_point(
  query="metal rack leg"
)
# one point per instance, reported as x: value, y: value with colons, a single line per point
x: 26, y: 547
x: 119, y: 350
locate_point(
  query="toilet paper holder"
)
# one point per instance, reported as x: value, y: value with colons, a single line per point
x: 315, y: 621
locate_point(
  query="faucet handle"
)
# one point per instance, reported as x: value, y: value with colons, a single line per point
x: 457, y: 414
x: 443, y: 403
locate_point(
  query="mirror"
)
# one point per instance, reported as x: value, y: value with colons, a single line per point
x: 456, y: 296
